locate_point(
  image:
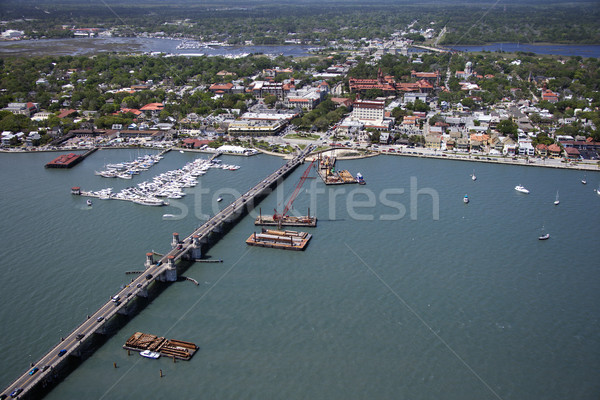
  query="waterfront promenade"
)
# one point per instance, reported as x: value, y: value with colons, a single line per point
x: 51, y: 367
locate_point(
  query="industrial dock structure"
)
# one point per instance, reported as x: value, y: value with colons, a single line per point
x: 69, y: 160
x: 85, y: 338
x: 167, y: 347
x: 328, y: 173
x: 286, y: 240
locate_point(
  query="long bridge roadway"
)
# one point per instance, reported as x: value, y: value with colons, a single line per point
x: 45, y: 370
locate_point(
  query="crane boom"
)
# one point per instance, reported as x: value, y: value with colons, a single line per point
x: 295, y: 194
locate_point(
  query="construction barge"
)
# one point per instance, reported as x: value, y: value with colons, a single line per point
x: 69, y: 160
x: 328, y: 173
x: 285, y: 220
x: 167, y: 347
x: 286, y: 240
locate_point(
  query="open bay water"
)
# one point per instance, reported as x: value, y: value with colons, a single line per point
x: 467, y: 305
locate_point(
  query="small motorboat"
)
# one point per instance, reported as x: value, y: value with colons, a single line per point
x: 466, y: 199
x: 584, y: 181
x: 181, y: 151
x: 219, y: 199
x: 544, y: 237
x: 89, y: 203
x: 521, y: 189
x: 150, y: 354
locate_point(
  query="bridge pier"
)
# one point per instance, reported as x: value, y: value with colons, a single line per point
x: 149, y: 260
x: 170, y: 275
x: 195, y: 251
x: 175, y: 240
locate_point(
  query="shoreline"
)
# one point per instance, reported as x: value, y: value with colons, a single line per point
x: 542, y: 163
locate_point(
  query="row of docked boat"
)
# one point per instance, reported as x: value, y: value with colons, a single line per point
x: 126, y: 170
x: 168, y: 185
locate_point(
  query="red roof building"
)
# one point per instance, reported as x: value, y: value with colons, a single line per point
x: 66, y: 113
x: 153, y: 107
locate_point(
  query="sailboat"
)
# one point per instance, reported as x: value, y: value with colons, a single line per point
x: 473, y: 177
x: 584, y: 181
x: 556, y: 202
x: 544, y: 236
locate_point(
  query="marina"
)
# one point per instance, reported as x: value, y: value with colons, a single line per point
x: 126, y: 170
x: 169, y: 185
x: 276, y: 239
x: 151, y: 346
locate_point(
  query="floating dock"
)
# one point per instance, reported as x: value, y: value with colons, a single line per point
x: 69, y: 160
x: 287, y: 240
x: 167, y: 347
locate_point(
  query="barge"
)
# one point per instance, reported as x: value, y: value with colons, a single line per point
x: 150, y: 344
x: 276, y: 239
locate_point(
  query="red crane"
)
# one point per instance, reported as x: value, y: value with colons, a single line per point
x: 288, y: 205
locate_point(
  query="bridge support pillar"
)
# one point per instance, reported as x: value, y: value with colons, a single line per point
x: 149, y: 260
x: 175, y: 240
x: 196, y: 248
x: 171, y: 272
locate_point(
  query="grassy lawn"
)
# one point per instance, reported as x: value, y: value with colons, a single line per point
x: 305, y: 136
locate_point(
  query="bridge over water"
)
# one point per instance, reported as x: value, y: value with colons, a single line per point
x: 80, y: 343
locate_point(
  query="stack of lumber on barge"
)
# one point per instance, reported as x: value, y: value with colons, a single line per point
x: 167, y: 347
x: 287, y: 240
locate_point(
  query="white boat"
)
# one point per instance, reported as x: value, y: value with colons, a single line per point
x: 584, y: 181
x: 466, y: 199
x: 556, y: 202
x: 521, y: 189
x: 149, y: 202
x: 220, y: 199
x: 359, y: 179
x: 89, y: 203
x: 168, y: 216
x: 544, y: 237
x: 150, y: 354
x: 181, y: 151
x: 473, y: 177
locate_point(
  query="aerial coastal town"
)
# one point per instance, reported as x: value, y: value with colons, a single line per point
x: 387, y: 96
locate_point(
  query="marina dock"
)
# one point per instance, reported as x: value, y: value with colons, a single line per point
x: 166, y: 347
x: 85, y: 338
x: 286, y: 240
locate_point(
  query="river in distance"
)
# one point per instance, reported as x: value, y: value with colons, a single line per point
x: 404, y: 292
x: 91, y: 46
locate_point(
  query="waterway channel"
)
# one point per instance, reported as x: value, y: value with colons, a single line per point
x: 403, y: 292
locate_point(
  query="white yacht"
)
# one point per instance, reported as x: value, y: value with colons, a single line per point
x: 466, y: 199
x: 150, y: 354
x: 521, y: 189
